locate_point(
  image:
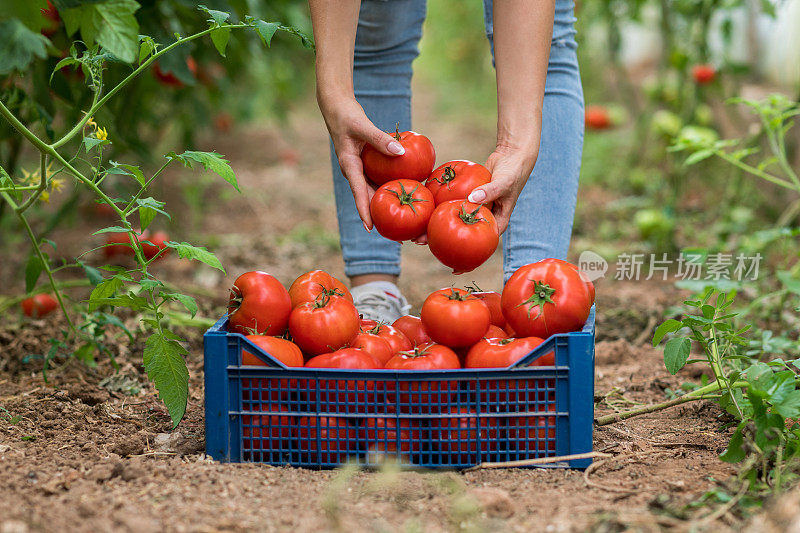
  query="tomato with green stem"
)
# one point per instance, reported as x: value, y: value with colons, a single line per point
x: 38, y: 305
x: 415, y: 163
x: 308, y: 287
x: 462, y: 235
x: 401, y: 209
x: 324, y: 325
x: 258, y: 304
x: 544, y: 298
x: 584, y: 277
x: 455, y: 317
x: 455, y: 180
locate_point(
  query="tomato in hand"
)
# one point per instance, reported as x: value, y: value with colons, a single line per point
x: 307, y: 287
x: 415, y: 164
x: 458, y: 438
x: 545, y: 298
x: 258, y: 304
x: 462, y: 235
x: 456, y: 179
x: 401, y: 209
x: 455, y: 317
x: 38, y: 305
x: 422, y: 396
x: 412, y: 327
x: 379, y: 436
x: 373, y: 344
x: 152, y: 245
x: 342, y: 395
x: 326, y: 439
x: 324, y: 325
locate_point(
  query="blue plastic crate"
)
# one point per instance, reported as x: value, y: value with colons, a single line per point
x: 452, y: 419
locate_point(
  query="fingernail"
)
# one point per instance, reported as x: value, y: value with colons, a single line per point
x: 366, y: 227
x: 396, y: 148
x: 477, y: 196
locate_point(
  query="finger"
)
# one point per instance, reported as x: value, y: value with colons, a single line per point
x: 421, y: 240
x: 354, y: 172
x: 489, y: 192
x: 502, y: 215
x: 380, y: 140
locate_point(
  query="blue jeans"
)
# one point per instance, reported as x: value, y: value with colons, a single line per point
x: 541, y: 225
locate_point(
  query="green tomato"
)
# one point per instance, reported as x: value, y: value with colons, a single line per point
x: 697, y: 137
x: 666, y: 123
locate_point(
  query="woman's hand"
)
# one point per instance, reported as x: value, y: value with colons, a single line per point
x: 510, y: 167
x: 350, y: 130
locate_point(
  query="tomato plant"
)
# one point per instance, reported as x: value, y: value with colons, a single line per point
x: 455, y: 317
x: 310, y: 285
x: 462, y: 235
x: 415, y: 164
x: 454, y: 180
x: 401, y: 209
x: 258, y: 304
x: 544, y: 298
x: 111, y: 56
x: 324, y: 325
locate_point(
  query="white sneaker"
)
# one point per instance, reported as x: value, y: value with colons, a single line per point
x: 380, y: 301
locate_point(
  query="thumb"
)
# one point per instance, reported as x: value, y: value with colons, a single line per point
x: 380, y: 140
x: 486, y: 193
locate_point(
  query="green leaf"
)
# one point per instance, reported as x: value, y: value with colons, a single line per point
x: 789, y: 283
x: 19, y: 45
x: 676, y: 352
x: 188, y: 302
x: 735, y: 451
x: 266, y: 30
x: 220, y: 38
x: 90, y: 143
x: 163, y: 361
x: 94, y: 276
x: 146, y: 47
x: 698, y: 156
x: 211, y: 161
x: 668, y: 326
x: 148, y: 207
x: 111, y: 24
x: 33, y: 269
x: 217, y: 17
x: 111, y: 229
x: 789, y: 407
x: 28, y: 12
x: 198, y: 253
x: 105, y: 289
x: 85, y: 354
x: 127, y: 170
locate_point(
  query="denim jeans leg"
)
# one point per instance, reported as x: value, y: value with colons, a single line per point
x: 541, y: 225
x: 386, y: 45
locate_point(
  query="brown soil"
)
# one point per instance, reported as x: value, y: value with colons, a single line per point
x: 85, y: 451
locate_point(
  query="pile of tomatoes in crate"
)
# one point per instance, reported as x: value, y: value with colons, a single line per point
x: 412, y: 201
x: 315, y: 325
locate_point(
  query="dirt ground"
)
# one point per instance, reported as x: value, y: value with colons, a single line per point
x: 85, y: 451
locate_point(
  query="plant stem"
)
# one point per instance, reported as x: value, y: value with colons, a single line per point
x: 755, y: 171
x: 145, y: 186
x: 39, y: 188
x: 698, y: 394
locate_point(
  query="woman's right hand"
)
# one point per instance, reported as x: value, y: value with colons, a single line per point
x: 350, y: 130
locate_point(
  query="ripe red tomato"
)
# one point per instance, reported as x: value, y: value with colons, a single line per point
x: 545, y: 298
x: 532, y: 434
x: 398, y: 342
x: 266, y: 437
x: 307, y: 287
x: 458, y: 438
x: 381, y: 436
x: 324, y: 325
x: 422, y: 396
x: 38, y: 305
x: 597, y: 117
x: 462, y: 235
x: 326, y: 439
x: 584, y: 277
x: 495, y: 333
x: 704, y: 74
x: 455, y: 318
x: 365, y: 324
x: 376, y: 346
x: 258, y: 304
x: 53, y: 20
x: 342, y: 395
x: 492, y: 301
x: 271, y: 390
x: 412, y: 327
x: 415, y: 164
x: 154, y: 243
x: 401, y: 209
x: 502, y: 353
x: 169, y: 79
x: 456, y: 179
